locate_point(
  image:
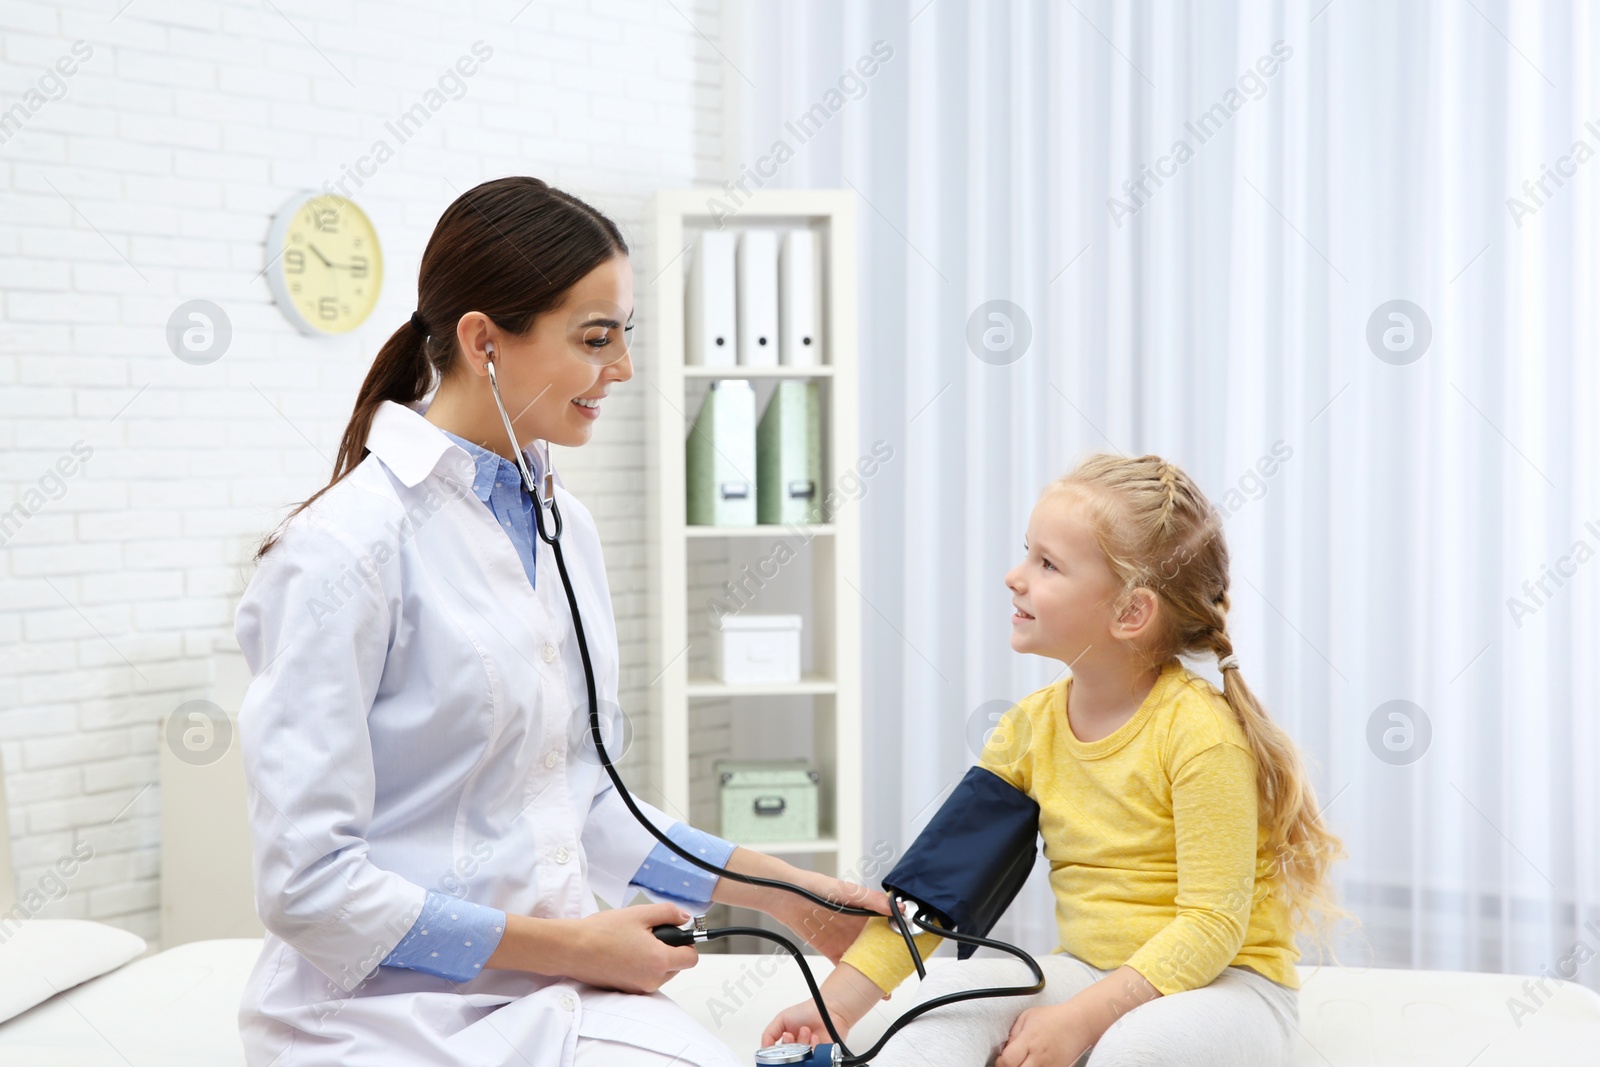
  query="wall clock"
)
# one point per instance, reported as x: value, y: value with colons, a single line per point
x: 324, y: 264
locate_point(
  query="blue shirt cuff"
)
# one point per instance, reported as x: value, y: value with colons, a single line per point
x: 664, y: 875
x: 452, y: 938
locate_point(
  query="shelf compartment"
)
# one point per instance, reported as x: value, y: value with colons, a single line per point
x: 774, y: 529
x: 744, y: 371
x: 809, y: 685
x: 819, y: 845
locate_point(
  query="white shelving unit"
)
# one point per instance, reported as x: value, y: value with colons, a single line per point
x: 698, y: 719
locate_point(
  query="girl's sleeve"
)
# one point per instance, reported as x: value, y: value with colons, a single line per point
x: 315, y: 633
x: 1214, y: 819
x: 880, y: 953
x: 880, y: 950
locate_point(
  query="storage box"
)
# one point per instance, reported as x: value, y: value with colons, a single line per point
x: 768, y: 800
x: 756, y: 649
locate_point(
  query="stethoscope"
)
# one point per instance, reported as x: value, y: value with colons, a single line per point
x: 903, y: 913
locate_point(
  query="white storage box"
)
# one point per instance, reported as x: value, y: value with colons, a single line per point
x: 756, y: 649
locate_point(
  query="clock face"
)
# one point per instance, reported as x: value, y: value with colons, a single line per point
x: 328, y: 268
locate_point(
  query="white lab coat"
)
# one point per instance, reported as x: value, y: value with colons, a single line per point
x: 412, y: 725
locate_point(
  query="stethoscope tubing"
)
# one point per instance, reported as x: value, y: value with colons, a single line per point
x: 595, y: 732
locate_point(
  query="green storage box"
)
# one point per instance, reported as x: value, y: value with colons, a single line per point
x: 768, y: 800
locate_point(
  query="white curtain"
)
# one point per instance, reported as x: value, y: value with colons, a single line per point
x: 1429, y: 525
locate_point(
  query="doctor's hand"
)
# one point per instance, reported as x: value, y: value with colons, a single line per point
x: 613, y: 949
x: 825, y: 930
x: 822, y: 928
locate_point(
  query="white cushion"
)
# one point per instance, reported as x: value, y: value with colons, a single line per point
x: 44, y: 956
x: 179, y: 1008
x: 1349, y: 1017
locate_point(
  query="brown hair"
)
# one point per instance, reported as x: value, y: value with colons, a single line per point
x: 1159, y: 532
x: 510, y: 248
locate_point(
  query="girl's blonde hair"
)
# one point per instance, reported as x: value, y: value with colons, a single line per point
x: 1159, y: 532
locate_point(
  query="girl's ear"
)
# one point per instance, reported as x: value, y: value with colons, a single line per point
x: 1137, y: 614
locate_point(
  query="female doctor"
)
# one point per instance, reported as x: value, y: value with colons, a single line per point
x: 429, y: 830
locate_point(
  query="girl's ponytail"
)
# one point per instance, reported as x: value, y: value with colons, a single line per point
x: 1304, y: 847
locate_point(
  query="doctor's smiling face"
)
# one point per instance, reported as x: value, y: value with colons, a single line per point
x: 555, y: 376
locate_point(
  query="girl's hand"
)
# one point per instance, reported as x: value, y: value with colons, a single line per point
x: 1045, y: 1037
x: 801, y: 1022
x: 616, y: 949
x: 849, y: 995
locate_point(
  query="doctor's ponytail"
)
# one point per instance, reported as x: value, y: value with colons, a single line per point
x: 509, y: 248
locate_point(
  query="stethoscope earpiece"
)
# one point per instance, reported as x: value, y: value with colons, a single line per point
x: 540, y: 502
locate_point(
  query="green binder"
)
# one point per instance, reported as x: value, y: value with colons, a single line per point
x: 789, y: 456
x: 721, y: 457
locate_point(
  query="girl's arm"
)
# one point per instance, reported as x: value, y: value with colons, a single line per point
x: 849, y: 995
x: 1215, y: 830
x: 1111, y: 998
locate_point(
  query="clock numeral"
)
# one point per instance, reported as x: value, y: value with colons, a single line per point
x: 294, y: 261
x: 328, y: 307
x: 326, y: 219
x: 358, y: 266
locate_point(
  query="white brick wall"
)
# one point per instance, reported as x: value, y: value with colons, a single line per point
x: 152, y: 181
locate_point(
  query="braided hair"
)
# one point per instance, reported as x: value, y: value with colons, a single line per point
x: 1159, y: 532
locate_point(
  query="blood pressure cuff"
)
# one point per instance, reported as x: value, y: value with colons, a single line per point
x: 969, y: 862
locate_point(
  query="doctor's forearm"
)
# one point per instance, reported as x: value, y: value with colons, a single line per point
x: 759, y: 898
x: 542, y: 946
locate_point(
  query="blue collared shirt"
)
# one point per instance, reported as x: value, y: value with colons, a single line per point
x: 454, y: 938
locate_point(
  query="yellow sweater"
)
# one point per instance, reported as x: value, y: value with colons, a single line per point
x: 1155, y: 854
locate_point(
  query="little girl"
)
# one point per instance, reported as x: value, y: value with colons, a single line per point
x: 1184, y: 841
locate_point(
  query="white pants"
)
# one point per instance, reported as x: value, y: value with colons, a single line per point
x: 595, y: 1052
x: 1240, y: 1020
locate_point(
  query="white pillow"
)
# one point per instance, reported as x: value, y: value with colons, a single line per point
x: 42, y: 957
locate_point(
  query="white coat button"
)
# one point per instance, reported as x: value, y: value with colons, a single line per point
x: 562, y: 855
x: 549, y: 653
x: 567, y: 1003
x: 550, y: 760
